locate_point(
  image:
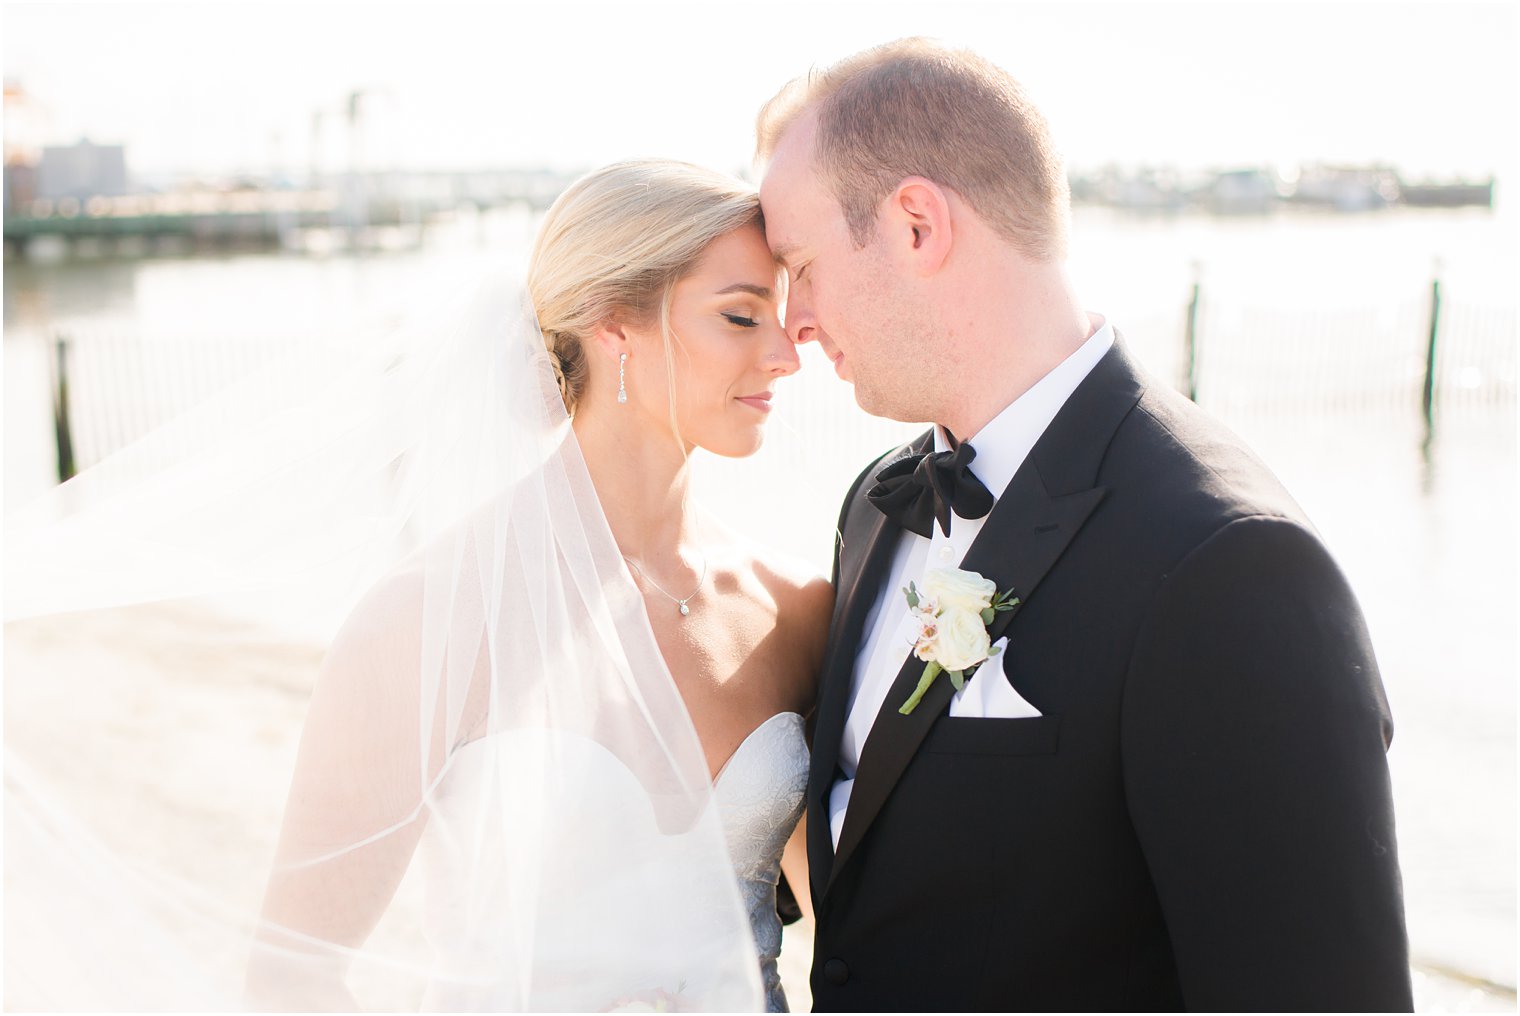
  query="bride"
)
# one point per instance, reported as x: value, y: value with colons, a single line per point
x: 537, y: 705
x: 554, y: 756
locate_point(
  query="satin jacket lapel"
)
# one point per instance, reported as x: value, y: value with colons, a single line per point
x: 865, y: 555
x: 1035, y: 519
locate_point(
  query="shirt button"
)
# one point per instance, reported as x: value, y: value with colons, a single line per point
x: 946, y: 553
x: 836, y: 971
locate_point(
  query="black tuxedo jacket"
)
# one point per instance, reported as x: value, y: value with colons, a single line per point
x: 1201, y: 817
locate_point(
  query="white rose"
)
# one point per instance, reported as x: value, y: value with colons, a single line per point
x: 962, y: 639
x: 954, y: 589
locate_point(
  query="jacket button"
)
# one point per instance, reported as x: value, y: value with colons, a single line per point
x: 837, y: 971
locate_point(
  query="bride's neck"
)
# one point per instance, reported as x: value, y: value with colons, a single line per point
x: 643, y: 481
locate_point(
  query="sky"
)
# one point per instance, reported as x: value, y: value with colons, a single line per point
x: 224, y: 87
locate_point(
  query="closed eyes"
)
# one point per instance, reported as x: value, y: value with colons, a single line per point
x: 742, y: 321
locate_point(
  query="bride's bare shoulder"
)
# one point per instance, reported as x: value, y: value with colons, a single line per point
x: 804, y: 603
x: 804, y: 597
x: 389, y: 616
x: 795, y: 584
x: 382, y: 627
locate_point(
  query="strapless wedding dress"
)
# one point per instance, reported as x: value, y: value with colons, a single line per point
x: 760, y: 794
x: 612, y: 904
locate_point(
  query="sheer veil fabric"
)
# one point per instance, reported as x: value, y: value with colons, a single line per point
x: 499, y: 800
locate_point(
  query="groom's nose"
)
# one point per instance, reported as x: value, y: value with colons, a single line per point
x: 801, y: 322
x: 801, y: 326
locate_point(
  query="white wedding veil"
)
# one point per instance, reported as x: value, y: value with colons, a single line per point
x: 499, y: 799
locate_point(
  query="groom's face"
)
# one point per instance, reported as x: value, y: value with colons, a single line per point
x: 839, y: 295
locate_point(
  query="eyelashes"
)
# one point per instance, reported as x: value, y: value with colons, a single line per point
x: 742, y: 321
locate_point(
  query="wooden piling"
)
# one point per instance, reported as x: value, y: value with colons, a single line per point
x: 1428, y: 395
x: 63, y: 435
x: 1190, y: 348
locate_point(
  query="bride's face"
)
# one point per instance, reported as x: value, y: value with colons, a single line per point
x: 728, y: 349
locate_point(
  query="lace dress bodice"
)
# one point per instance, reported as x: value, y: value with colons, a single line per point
x: 760, y: 794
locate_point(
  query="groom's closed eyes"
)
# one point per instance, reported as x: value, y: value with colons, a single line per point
x: 785, y: 255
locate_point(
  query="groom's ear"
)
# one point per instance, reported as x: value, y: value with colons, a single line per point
x: 918, y: 223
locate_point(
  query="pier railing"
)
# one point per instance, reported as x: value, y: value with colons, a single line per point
x: 1429, y: 356
x: 110, y: 390
x: 1433, y: 355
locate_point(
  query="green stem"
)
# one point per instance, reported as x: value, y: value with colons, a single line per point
x: 931, y: 671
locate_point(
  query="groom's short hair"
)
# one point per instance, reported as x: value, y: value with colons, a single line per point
x: 917, y: 108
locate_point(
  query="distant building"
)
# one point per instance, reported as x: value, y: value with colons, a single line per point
x: 84, y: 170
x: 1346, y: 188
x: 20, y: 187
x: 1242, y: 192
x: 1459, y: 194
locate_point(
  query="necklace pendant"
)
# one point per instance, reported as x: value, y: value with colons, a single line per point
x: 684, y: 608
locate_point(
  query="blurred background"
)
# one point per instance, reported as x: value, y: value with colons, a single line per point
x: 1302, y: 215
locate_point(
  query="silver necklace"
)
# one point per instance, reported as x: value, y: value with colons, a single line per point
x: 680, y: 602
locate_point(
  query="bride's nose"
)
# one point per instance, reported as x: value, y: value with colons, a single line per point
x: 780, y: 357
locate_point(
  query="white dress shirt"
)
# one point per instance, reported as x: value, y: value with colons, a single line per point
x: 1001, y: 447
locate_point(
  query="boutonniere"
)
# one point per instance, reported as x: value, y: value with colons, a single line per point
x: 953, y: 610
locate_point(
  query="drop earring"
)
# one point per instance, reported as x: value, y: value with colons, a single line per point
x: 622, y: 386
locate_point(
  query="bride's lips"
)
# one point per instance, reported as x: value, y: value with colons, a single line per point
x: 760, y: 401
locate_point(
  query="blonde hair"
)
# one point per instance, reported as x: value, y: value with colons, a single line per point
x: 613, y: 246
x: 917, y: 108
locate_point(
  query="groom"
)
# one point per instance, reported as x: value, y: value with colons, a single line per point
x: 1169, y: 790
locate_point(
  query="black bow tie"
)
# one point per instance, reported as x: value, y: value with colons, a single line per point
x: 916, y: 490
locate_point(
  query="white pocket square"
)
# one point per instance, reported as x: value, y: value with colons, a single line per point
x: 988, y: 695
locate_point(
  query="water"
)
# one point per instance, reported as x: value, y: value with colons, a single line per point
x: 1297, y: 312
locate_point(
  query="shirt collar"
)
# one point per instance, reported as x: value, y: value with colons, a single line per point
x: 1004, y: 443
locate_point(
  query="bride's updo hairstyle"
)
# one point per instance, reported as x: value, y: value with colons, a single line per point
x: 613, y: 246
